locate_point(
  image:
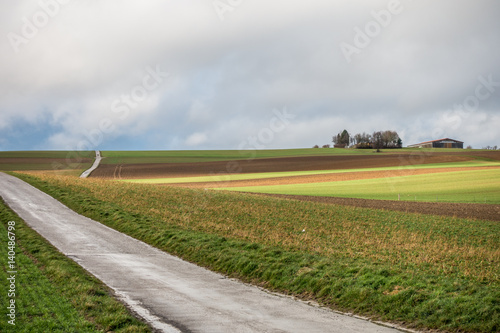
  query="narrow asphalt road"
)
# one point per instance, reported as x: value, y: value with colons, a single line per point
x: 169, y: 293
x: 94, y: 166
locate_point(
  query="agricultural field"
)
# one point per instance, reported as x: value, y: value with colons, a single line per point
x: 126, y: 165
x: 193, y: 156
x: 468, y: 186
x: 61, y: 162
x: 430, y: 175
x: 403, y: 236
x: 297, y: 177
x: 186, y: 156
x: 422, y: 271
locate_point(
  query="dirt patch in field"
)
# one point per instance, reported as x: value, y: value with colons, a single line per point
x: 303, y: 163
x: 487, y: 155
x: 461, y: 210
x: 323, y: 178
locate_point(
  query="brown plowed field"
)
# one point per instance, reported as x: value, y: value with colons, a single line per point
x: 474, y: 211
x: 309, y: 163
x: 490, y: 154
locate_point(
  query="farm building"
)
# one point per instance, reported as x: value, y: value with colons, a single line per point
x: 441, y: 143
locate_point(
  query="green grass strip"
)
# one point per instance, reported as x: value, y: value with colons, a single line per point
x: 405, y: 268
x: 192, y: 156
x: 53, y: 293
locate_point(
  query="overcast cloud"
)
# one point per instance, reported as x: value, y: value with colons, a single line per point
x: 229, y: 74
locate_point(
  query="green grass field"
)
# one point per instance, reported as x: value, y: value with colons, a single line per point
x: 53, y: 293
x: 264, y: 175
x: 190, y: 156
x: 459, y: 186
x: 428, y: 272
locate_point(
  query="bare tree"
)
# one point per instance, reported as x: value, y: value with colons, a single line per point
x: 391, y: 139
x: 377, y: 140
x: 363, y: 140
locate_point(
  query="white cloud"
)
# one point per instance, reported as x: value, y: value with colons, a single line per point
x: 228, y: 75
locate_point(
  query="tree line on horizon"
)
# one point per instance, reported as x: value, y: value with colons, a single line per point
x: 377, y: 140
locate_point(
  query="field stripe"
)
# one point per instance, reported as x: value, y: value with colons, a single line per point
x: 458, y: 186
x: 248, y: 176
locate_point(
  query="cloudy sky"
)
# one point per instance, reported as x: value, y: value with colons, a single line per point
x: 229, y: 74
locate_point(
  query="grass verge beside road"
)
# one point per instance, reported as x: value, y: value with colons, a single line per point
x: 54, y: 294
x: 420, y: 270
